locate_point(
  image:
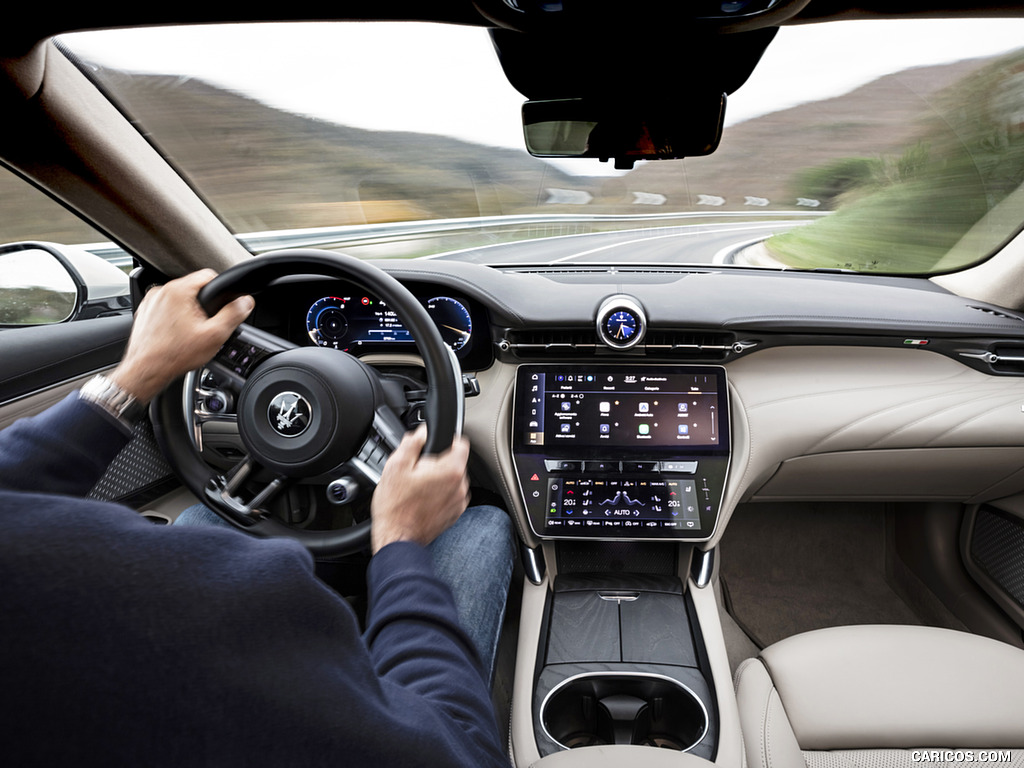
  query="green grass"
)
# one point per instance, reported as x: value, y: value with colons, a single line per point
x: 905, y: 229
x: 946, y: 201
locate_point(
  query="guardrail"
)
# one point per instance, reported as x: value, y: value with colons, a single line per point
x: 367, y: 234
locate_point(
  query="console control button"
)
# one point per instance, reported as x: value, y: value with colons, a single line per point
x: 603, y: 466
x: 679, y: 467
x: 561, y: 465
x: 640, y: 466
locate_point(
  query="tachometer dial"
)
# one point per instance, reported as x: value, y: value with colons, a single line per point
x: 326, y: 322
x: 452, y: 319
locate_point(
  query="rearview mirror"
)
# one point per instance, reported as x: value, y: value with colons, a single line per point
x: 623, y: 130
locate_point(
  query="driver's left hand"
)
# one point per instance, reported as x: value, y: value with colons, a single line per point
x: 172, y: 335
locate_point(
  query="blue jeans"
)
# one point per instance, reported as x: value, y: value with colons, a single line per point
x: 473, y: 557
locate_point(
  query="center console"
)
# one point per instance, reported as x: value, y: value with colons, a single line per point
x: 619, y: 468
x: 623, y: 664
x: 637, y: 452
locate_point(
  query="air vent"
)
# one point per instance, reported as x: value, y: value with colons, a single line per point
x: 558, y: 271
x: 551, y: 342
x: 1005, y: 358
x: 616, y: 270
x: 995, y: 313
x: 705, y: 346
x: 689, y: 345
x: 659, y: 271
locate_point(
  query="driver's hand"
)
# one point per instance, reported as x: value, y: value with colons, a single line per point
x: 172, y: 334
x: 419, y: 497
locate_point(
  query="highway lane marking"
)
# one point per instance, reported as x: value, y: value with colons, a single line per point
x: 725, y: 255
x: 723, y: 230
x: 544, y: 239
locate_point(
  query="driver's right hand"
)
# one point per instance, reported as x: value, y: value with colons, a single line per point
x: 419, y: 497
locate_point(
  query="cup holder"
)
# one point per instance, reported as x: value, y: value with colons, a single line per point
x: 628, y: 708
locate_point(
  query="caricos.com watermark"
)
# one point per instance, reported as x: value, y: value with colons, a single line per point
x: 961, y: 756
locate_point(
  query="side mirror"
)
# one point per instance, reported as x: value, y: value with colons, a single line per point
x: 45, y: 283
x: 625, y: 130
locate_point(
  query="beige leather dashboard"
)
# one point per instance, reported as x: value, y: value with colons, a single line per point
x: 852, y: 423
x: 820, y: 423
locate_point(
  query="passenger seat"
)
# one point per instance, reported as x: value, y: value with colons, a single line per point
x: 883, y: 697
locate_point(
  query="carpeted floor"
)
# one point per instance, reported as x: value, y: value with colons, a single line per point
x: 790, y: 568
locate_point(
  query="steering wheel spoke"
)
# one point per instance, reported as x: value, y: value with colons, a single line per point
x: 226, y: 491
x: 385, y: 434
x: 243, y: 352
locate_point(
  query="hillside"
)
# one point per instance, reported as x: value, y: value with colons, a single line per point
x: 761, y: 157
x: 272, y: 169
x: 268, y: 169
x: 948, y: 197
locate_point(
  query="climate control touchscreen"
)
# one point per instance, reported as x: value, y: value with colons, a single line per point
x: 609, y: 451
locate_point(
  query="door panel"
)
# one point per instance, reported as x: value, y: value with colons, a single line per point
x: 38, y: 358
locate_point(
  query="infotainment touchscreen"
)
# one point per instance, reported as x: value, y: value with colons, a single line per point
x: 615, y: 451
x: 621, y: 410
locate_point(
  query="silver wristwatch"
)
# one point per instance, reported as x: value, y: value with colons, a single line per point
x: 111, y: 398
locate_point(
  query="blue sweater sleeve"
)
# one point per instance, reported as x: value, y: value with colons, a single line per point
x: 417, y: 644
x: 168, y: 647
x: 253, y: 661
x: 63, y: 450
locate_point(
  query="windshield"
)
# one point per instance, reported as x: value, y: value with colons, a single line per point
x: 879, y: 147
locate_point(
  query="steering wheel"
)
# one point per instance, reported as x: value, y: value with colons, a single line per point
x: 312, y: 414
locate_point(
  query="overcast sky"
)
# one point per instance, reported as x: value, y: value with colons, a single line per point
x: 442, y: 79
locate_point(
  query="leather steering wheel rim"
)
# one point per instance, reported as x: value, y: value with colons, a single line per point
x: 442, y: 409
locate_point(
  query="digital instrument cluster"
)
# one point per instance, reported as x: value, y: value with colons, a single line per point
x: 613, y: 452
x: 354, y: 321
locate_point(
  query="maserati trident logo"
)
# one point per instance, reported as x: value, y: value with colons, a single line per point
x: 289, y: 414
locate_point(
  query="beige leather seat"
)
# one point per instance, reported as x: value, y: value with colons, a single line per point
x: 883, y: 697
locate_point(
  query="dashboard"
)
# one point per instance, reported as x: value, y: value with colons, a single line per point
x: 822, y: 387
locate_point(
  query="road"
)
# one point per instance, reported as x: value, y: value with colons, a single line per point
x: 689, y: 244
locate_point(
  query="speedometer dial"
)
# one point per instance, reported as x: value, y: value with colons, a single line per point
x: 326, y: 322
x: 452, y: 319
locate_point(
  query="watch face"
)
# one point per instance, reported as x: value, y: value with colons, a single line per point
x: 621, y: 326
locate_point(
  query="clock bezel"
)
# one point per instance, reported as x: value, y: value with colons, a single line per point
x: 621, y: 303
